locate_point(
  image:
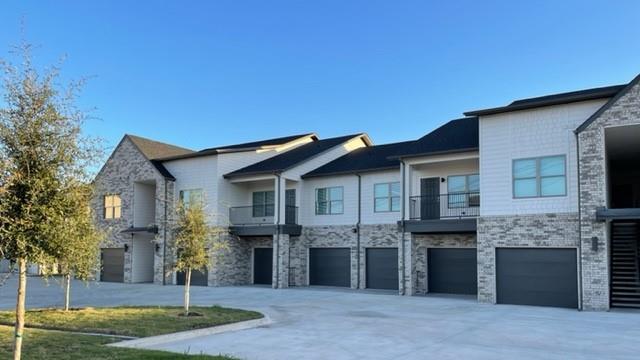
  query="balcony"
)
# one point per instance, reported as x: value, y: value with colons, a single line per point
x: 443, y: 213
x: 257, y: 220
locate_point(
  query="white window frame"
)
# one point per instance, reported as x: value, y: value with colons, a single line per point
x: 193, y: 194
x: 538, y: 177
x: 329, y: 201
x: 109, y: 211
x: 389, y: 197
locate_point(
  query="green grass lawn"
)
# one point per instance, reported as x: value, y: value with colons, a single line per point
x: 138, y: 321
x: 56, y: 345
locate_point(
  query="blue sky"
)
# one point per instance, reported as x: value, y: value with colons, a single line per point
x: 206, y: 73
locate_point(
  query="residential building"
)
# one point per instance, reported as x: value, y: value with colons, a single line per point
x: 536, y: 203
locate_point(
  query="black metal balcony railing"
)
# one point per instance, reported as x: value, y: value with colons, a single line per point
x: 443, y: 206
x: 260, y: 215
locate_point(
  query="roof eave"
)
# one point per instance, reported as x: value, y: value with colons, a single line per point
x: 349, y: 172
x: 444, y: 152
x: 512, y: 108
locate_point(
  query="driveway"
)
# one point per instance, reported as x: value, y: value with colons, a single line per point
x: 311, y: 323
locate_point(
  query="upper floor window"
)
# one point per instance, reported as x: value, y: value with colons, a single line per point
x: 540, y: 177
x: 329, y: 201
x: 112, y: 207
x: 386, y: 197
x: 263, y: 203
x: 189, y: 197
x: 463, y: 190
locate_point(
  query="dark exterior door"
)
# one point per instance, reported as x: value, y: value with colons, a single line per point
x: 430, y: 198
x: 543, y: 277
x: 452, y: 271
x: 262, y: 266
x: 290, y: 206
x: 198, y: 277
x: 112, y: 269
x: 382, y: 268
x: 330, y: 266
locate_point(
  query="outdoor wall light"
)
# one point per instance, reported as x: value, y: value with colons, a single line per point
x: 126, y: 247
x: 443, y: 179
x: 594, y: 244
x: 157, y: 247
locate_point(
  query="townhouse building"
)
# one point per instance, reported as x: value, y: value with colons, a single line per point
x: 534, y: 203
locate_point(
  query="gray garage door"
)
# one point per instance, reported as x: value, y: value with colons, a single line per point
x: 112, y: 265
x: 263, y: 266
x: 544, y: 277
x: 330, y: 267
x: 198, y: 277
x: 452, y: 271
x: 382, y: 269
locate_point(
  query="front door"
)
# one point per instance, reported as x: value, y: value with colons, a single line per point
x: 290, y: 206
x: 430, y: 198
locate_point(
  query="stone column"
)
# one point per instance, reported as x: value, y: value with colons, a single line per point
x: 280, y: 261
x: 408, y: 286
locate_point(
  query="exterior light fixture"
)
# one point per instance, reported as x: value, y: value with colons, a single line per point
x: 126, y: 247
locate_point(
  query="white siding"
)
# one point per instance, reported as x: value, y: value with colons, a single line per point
x: 531, y: 133
x: 441, y: 170
x: 350, y: 197
x: 369, y: 216
x: 196, y: 173
x: 144, y: 204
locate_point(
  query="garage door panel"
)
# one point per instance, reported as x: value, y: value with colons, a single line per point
x: 452, y: 271
x: 382, y: 268
x: 330, y: 266
x: 198, y: 277
x: 263, y: 266
x: 112, y: 265
x: 537, y: 276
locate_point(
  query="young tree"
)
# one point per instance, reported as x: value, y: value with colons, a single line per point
x: 194, y: 243
x: 80, y: 258
x: 43, y: 152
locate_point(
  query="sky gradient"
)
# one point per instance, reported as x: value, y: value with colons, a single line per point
x: 205, y: 73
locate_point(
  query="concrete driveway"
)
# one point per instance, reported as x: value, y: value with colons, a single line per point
x: 311, y: 323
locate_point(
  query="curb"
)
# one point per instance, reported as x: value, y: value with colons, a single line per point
x: 184, y: 335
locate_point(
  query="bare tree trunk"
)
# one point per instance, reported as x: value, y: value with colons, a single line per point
x: 187, y: 285
x: 22, y: 288
x: 67, y: 290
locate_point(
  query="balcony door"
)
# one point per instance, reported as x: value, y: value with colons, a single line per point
x: 430, y: 198
x: 290, y: 206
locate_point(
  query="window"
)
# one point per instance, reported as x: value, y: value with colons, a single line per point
x: 329, y: 201
x: 263, y: 203
x: 539, y: 177
x: 386, y: 197
x: 112, y: 207
x: 463, y: 190
x: 188, y: 197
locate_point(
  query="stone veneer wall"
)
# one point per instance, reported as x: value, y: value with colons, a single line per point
x: 125, y: 167
x: 379, y: 235
x: 593, y: 194
x: 420, y: 243
x: 233, y: 266
x: 544, y: 230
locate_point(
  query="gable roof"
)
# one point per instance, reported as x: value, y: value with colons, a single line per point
x: 154, y: 149
x: 555, y: 99
x: 457, y: 135
x: 293, y: 157
x: 608, y: 104
x: 365, y: 159
x: 248, y: 146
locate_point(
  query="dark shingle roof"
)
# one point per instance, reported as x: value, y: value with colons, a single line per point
x: 291, y: 158
x: 241, y: 147
x: 364, y: 159
x: 556, y: 99
x: 154, y: 149
x: 455, y: 136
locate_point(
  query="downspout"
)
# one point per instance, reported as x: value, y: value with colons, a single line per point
x: 358, y: 229
x: 277, y: 239
x: 164, y: 230
x: 402, y: 213
x: 580, y: 303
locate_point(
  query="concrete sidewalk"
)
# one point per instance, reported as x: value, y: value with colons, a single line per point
x: 315, y: 323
